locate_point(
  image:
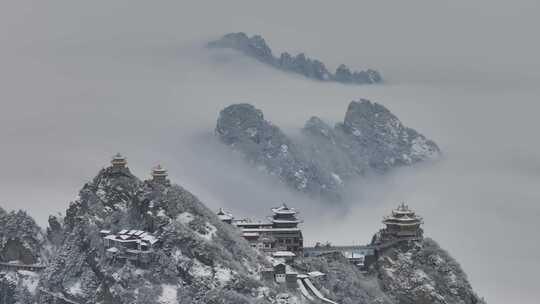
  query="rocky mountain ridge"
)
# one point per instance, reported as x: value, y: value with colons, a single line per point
x: 201, y: 259
x: 256, y: 47
x: 370, y: 139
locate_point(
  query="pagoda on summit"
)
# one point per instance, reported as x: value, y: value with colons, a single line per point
x: 119, y: 161
x: 159, y: 175
x: 402, y: 223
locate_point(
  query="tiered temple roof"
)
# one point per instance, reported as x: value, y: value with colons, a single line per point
x: 403, y: 216
x: 119, y: 161
x: 224, y: 215
x: 284, y: 209
x: 159, y: 171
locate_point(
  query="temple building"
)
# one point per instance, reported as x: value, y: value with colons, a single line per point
x: 134, y: 245
x: 279, y: 233
x: 119, y: 161
x: 225, y: 216
x: 159, y: 175
x: 402, y: 223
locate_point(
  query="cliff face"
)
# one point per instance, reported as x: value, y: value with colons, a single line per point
x: 21, y: 242
x: 21, y: 239
x: 370, y: 139
x: 422, y: 272
x: 244, y: 128
x: 257, y: 48
x: 417, y: 272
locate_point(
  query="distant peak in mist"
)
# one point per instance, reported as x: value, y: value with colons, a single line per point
x: 257, y: 48
x: 324, y: 158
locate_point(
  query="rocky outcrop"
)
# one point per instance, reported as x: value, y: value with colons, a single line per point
x: 21, y: 243
x: 21, y: 239
x: 418, y: 272
x: 343, y: 282
x: 370, y: 139
x: 421, y: 273
x: 244, y: 128
x: 257, y: 48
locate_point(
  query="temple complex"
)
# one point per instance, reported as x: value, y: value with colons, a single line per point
x: 279, y: 233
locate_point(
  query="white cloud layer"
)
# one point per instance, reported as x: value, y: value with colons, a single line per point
x: 80, y: 81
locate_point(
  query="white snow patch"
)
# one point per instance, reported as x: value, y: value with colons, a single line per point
x: 210, y: 232
x: 185, y: 218
x: 200, y: 270
x: 161, y: 213
x: 251, y: 132
x: 75, y: 289
x: 30, y: 280
x: 420, y: 148
x: 301, y: 178
x: 168, y: 294
x: 223, y: 275
x: 179, y: 257
x: 337, y: 178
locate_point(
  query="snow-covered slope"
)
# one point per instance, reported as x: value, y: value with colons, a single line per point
x: 21, y: 242
x: 422, y: 273
x: 417, y: 272
x: 199, y: 258
x: 21, y: 239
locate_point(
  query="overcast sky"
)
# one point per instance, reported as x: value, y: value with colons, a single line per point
x: 80, y: 81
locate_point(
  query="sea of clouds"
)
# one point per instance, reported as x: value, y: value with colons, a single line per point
x: 80, y: 81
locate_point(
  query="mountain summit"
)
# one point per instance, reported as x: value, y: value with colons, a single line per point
x: 256, y: 47
x: 370, y: 139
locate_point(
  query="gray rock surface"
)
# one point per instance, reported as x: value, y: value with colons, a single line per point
x: 422, y: 273
x: 257, y: 48
x: 21, y: 242
x: 370, y: 139
x: 21, y: 238
x: 417, y: 272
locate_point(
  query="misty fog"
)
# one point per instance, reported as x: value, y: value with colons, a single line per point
x: 80, y: 81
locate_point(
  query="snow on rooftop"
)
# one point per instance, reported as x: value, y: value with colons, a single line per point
x: 284, y: 209
x: 283, y: 254
x: 315, y: 274
x: 169, y: 294
x: 250, y: 234
x: 113, y: 250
